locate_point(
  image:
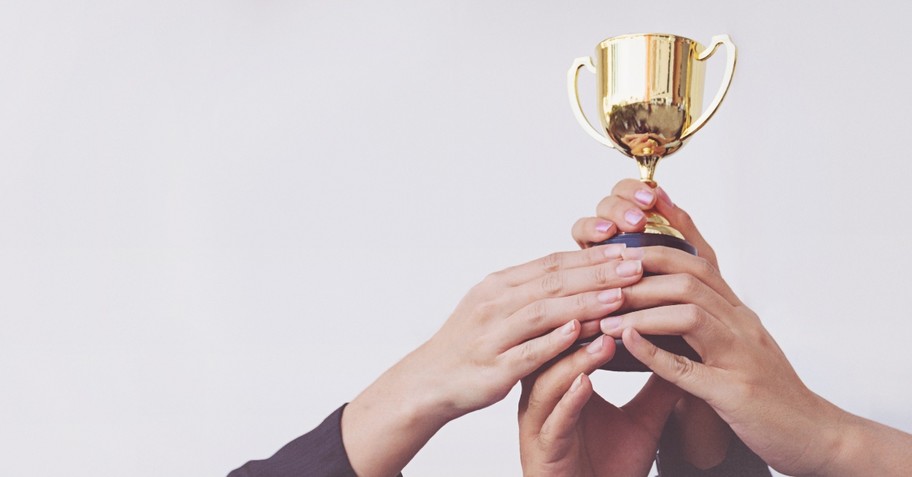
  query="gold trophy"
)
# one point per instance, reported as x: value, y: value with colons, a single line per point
x: 649, y: 89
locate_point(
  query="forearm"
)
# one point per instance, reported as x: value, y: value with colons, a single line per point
x: 869, y: 448
x: 390, y: 421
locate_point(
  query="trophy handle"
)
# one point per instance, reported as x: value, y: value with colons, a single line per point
x: 573, y: 92
x: 726, y: 80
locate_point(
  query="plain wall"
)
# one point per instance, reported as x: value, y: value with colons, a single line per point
x: 219, y: 220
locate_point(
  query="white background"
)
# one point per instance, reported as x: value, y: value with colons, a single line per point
x: 219, y: 220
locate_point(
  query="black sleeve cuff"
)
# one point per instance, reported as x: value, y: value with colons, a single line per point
x: 319, y: 453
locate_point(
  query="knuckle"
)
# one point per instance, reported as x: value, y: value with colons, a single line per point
x: 581, y: 301
x: 578, y: 232
x: 594, y: 256
x: 552, y: 262
x: 602, y: 275
x: 625, y: 185
x: 682, y: 366
x: 689, y: 286
x: 652, y: 353
x: 707, y: 268
x: 493, y: 280
x: 604, y: 205
x: 528, y: 353
x: 709, y: 253
x: 535, y: 401
x: 546, y: 441
x: 486, y: 310
x: 692, y: 317
x: 609, y: 207
x: 553, y: 284
x: 763, y: 339
x: 536, y: 313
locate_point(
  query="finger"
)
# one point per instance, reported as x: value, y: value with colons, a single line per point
x: 681, y: 220
x: 530, y: 355
x: 681, y: 288
x: 702, y: 331
x: 589, y: 329
x: 589, y: 230
x: 626, y: 215
x: 695, y: 378
x: 560, y: 425
x: 654, y: 403
x: 567, y: 282
x: 542, y: 393
x: 543, y: 316
x: 554, y: 262
x: 669, y: 261
x: 637, y: 192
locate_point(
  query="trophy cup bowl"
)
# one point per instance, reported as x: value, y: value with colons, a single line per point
x: 649, y: 91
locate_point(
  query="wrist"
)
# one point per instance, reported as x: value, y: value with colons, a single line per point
x: 865, y: 447
x: 399, y: 410
x: 832, y: 428
x: 414, y: 391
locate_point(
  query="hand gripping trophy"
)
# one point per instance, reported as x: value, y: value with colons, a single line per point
x: 649, y: 89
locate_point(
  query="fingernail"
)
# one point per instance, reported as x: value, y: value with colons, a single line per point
x: 633, y: 253
x: 614, y: 250
x: 644, y: 196
x: 603, y: 227
x: 596, y: 345
x: 609, y: 296
x: 576, y: 383
x: 629, y: 268
x: 633, y: 216
x: 569, y: 328
x: 663, y: 196
x: 610, y: 323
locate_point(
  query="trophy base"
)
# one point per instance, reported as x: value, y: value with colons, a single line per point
x: 651, y: 240
x: 623, y: 360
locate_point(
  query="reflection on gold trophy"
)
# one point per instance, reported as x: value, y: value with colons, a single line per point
x: 649, y: 91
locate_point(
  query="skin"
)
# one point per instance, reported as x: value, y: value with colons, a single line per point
x: 745, y: 377
x: 506, y: 327
x: 703, y: 437
x: 568, y: 430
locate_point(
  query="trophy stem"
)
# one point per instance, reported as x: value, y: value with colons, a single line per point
x: 647, y: 166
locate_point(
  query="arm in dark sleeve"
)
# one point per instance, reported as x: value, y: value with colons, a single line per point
x: 319, y: 453
x: 739, y: 461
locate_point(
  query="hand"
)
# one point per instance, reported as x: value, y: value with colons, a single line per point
x: 566, y: 430
x: 744, y: 376
x: 506, y: 327
x: 701, y: 436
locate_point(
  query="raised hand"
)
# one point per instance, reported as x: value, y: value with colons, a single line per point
x: 566, y: 430
x: 700, y: 436
x: 506, y: 327
x: 744, y: 375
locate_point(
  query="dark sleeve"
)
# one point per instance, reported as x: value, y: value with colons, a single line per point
x: 739, y: 461
x: 319, y: 453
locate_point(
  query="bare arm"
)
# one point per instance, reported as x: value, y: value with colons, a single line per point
x: 505, y: 328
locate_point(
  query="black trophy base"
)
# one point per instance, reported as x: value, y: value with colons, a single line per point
x: 623, y: 360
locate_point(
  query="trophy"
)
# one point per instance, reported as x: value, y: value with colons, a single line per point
x: 649, y: 89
